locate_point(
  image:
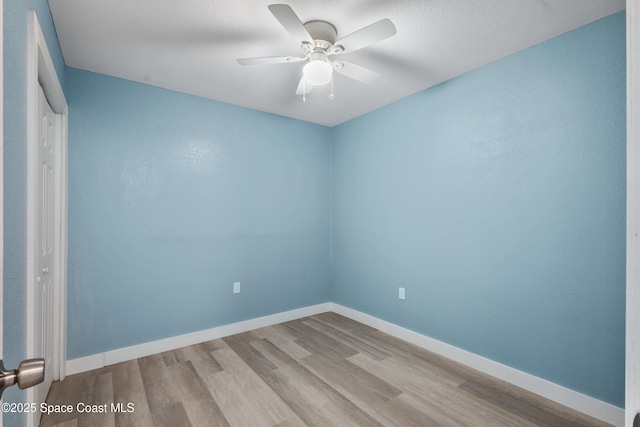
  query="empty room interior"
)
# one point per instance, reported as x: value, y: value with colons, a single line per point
x: 432, y: 235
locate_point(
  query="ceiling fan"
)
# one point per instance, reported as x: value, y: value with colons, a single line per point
x: 318, y: 42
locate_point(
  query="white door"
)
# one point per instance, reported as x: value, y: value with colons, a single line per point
x: 45, y: 247
x: 46, y: 214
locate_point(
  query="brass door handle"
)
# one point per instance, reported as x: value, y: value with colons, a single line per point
x: 29, y: 373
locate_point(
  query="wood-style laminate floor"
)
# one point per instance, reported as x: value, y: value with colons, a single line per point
x: 324, y: 370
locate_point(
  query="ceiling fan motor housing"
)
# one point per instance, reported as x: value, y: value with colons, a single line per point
x: 323, y: 33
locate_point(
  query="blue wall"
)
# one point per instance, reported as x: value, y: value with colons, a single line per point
x: 172, y: 198
x: 15, y: 178
x: 497, y: 200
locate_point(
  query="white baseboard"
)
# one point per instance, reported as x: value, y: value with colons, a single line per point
x: 96, y: 361
x: 580, y: 402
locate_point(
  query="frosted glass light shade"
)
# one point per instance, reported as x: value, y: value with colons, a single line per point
x: 317, y: 72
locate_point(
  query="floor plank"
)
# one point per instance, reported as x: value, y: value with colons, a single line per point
x: 324, y: 370
x: 128, y: 388
x: 243, y: 396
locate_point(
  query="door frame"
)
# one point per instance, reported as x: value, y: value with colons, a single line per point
x: 41, y: 72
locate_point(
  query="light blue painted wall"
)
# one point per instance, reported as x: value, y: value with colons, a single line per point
x: 497, y: 200
x: 172, y: 198
x: 15, y: 180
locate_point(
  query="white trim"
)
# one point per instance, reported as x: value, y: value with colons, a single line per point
x: 32, y: 105
x: 60, y: 297
x: 567, y: 397
x: 111, y: 357
x: 572, y: 399
x: 41, y: 72
x: 632, y: 368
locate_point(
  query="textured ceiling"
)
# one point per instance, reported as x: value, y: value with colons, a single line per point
x: 192, y: 46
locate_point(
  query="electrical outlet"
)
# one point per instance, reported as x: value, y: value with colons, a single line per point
x: 401, y: 292
x: 236, y: 287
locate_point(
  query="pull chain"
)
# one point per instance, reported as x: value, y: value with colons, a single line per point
x: 331, y: 95
x: 304, y: 90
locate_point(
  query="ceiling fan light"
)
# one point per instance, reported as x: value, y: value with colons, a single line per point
x: 317, y: 72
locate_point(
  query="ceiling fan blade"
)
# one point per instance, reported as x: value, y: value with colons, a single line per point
x: 364, y: 37
x: 355, y: 72
x: 291, y: 22
x: 270, y: 60
x: 303, y: 87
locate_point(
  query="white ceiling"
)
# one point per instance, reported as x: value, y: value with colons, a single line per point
x: 191, y: 46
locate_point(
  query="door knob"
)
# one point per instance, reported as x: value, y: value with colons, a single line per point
x: 29, y: 373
